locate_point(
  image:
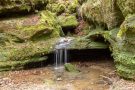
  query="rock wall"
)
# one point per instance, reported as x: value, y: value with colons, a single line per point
x: 29, y: 29
x: 117, y: 20
x: 27, y: 38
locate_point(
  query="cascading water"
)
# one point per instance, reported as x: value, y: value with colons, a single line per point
x: 61, y: 54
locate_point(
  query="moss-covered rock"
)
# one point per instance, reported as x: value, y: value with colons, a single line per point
x: 122, y: 46
x: 10, y: 6
x: 71, y: 68
x: 81, y: 1
x: 72, y: 6
x: 124, y: 53
x: 68, y: 21
x: 43, y: 25
x: 103, y: 13
x: 16, y: 56
x: 126, y: 6
x: 57, y: 8
x: 7, y: 38
x: 85, y: 43
x: 62, y: 6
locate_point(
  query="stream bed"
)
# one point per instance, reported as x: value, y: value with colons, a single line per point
x: 93, y: 75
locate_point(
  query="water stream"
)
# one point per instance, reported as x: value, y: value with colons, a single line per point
x: 61, y: 53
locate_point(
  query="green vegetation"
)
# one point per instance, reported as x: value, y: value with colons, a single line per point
x: 71, y: 68
x: 69, y: 21
x: 28, y: 38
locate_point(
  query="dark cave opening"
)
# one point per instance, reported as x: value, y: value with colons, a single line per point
x: 75, y: 55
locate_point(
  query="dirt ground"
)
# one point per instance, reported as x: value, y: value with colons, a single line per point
x: 93, y: 75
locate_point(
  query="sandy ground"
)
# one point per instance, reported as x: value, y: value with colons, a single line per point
x: 94, y: 75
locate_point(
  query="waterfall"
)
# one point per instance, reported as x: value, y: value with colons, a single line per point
x: 61, y: 53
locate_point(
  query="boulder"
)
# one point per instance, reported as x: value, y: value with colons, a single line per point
x: 68, y: 21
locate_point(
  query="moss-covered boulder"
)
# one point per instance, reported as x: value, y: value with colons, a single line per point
x: 68, y: 21
x: 71, y: 68
x: 32, y: 27
x: 16, y: 56
x: 103, y: 13
x: 13, y: 6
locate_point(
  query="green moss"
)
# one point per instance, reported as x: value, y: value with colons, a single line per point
x: 87, y: 43
x: 125, y: 72
x: 70, y: 68
x: 124, y: 49
x: 20, y: 5
x: 6, y: 38
x: 57, y: 8
x: 41, y: 26
x: 69, y: 21
x: 16, y: 65
x: 23, y: 51
x: 97, y: 13
x: 127, y: 6
x: 72, y: 8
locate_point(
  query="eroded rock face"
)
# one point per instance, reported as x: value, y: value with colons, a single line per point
x: 27, y: 39
x: 111, y: 13
x: 13, y: 6
x: 124, y: 53
x: 103, y: 13
x: 32, y: 27
x: 16, y: 56
x: 62, y: 6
